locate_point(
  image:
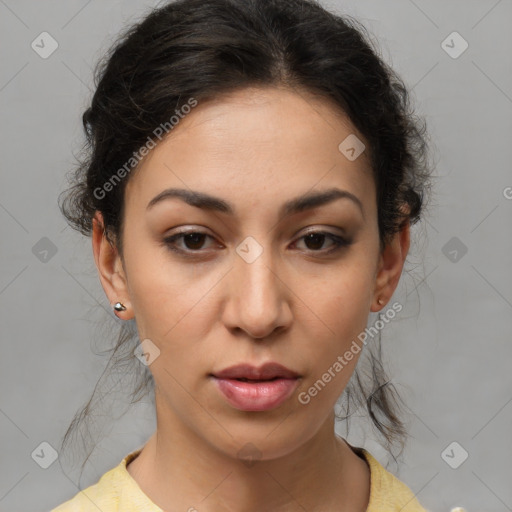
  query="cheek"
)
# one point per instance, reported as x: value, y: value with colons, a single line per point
x: 339, y: 315
x: 164, y: 292
x: 175, y: 308
x: 342, y: 301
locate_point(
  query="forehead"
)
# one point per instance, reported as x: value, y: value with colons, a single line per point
x: 254, y: 144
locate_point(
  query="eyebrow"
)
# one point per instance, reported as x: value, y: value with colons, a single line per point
x: 299, y: 204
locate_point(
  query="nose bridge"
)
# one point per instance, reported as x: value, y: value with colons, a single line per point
x: 258, y: 292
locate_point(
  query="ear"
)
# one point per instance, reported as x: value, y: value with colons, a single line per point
x: 110, y: 268
x: 390, y: 265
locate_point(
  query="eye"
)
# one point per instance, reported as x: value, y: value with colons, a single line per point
x: 193, y: 241
x: 314, y: 240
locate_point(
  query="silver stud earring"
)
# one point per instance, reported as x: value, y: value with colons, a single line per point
x: 119, y: 306
x: 380, y: 301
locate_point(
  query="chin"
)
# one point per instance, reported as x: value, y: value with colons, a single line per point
x: 258, y: 442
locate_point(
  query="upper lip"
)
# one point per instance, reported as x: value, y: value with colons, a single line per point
x: 265, y: 372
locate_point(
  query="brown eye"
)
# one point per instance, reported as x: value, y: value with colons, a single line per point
x: 314, y: 241
x: 193, y: 241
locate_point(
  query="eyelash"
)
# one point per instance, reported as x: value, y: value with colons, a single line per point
x: 339, y: 242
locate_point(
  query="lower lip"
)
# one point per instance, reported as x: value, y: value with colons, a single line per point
x: 256, y: 396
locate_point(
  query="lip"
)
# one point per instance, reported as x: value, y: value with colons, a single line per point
x: 265, y: 372
x: 266, y: 387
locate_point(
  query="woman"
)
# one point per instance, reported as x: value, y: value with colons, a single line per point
x: 252, y: 173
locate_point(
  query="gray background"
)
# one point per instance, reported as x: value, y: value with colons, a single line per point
x: 449, y: 351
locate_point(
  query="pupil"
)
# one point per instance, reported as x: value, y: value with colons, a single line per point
x: 195, y: 238
x: 313, y: 237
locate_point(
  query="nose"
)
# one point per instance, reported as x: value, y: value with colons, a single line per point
x: 258, y: 300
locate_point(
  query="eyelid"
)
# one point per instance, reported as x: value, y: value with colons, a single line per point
x: 325, y: 230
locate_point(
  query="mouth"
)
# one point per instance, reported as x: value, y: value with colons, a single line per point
x: 249, y: 388
x: 266, y: 372
x: 243, y: 379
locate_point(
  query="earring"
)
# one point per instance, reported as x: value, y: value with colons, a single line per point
x: 380, y: 301
x: 119, y: 306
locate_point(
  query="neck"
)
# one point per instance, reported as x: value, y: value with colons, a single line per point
x: 179, y: 471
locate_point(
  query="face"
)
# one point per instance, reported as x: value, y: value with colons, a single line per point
x: 255, y: 280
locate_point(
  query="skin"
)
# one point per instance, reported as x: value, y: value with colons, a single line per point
x: 295, y: 304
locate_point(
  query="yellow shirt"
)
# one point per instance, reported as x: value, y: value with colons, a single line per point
x: 117, y: 491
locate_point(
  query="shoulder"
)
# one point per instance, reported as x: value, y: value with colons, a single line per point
x: 115, y: 491
x: 100, y: 496
x: 387, y: 492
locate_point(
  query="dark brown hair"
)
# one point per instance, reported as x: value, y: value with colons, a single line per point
x: 202, y: 48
